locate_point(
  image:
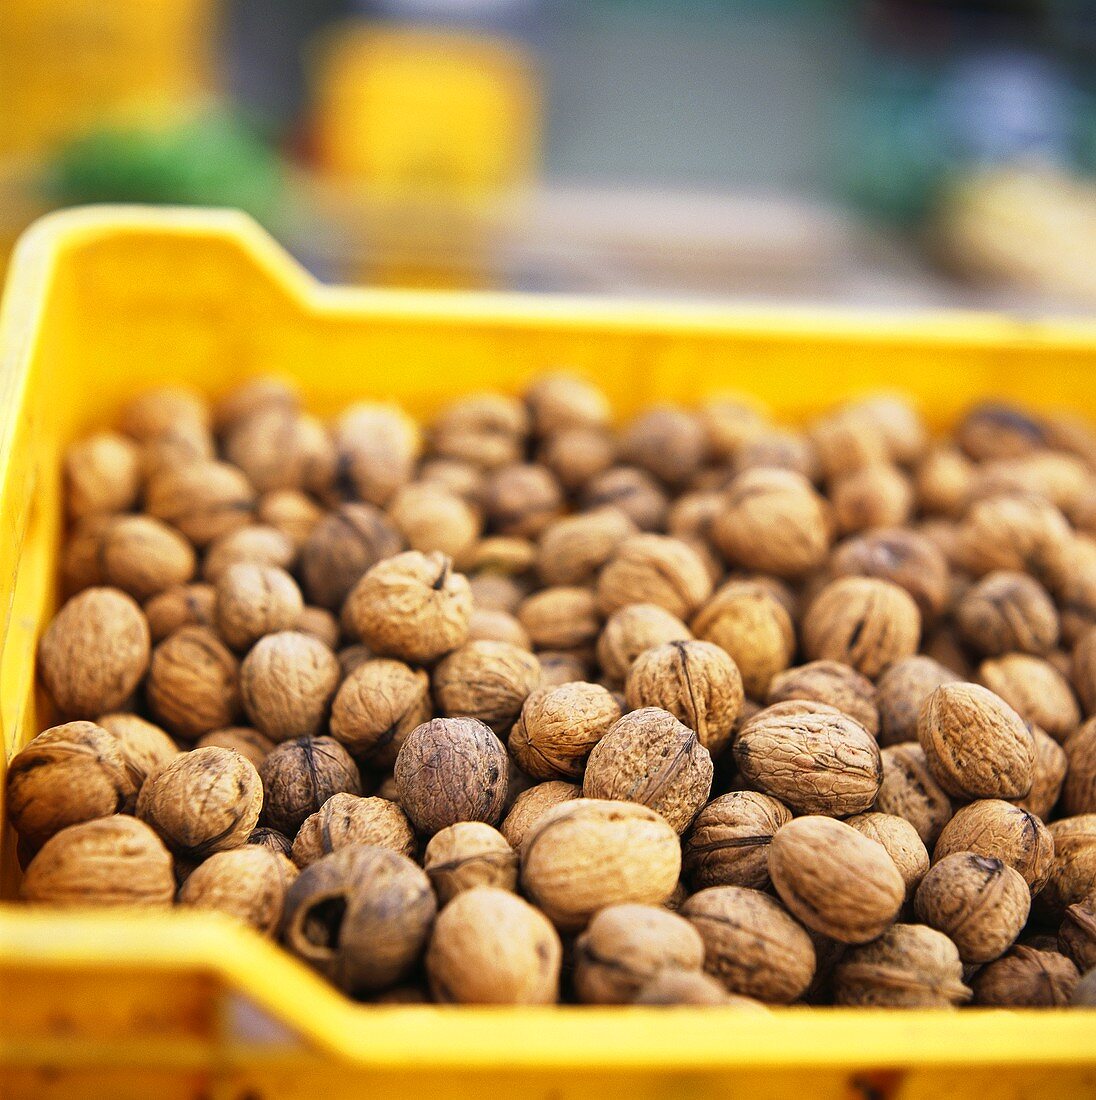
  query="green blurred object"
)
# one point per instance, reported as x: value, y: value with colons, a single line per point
x: 211, y: 159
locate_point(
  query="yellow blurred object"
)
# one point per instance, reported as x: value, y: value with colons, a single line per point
x: 104, y: 302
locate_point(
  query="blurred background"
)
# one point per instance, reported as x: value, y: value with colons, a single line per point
x: 880, y: 153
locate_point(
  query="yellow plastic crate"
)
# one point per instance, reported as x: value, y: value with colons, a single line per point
x: 104, y: 302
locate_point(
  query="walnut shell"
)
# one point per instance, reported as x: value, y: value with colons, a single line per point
x: 577, y: 455
x: 943, y: 480
x: 1027, y: 978
x: 728, y: 844
x: 143, y: 557
x: 559, y: 400
x: 278, y: 448
x: 377, y: 446
x: 649, y: 757
x: 299, y: 776
x: 654, y: 569
x: 255, y: 396
x: 833, y: 683
x: 667, y: 442
x: 106, y: 862
x: 346, y: 819
x: 1050, y: 773
x: 467, y: 855
x: 193, y: 682
x: 272, y: 840
x: 291, y: 513
x: 287, y: 682
x: 450, y: 770
x: 1007, y: 613
x: 1077, y: 934
x: 585, y: 854
x: 256, y: 544
x: 203, y: 802
x: 94, y: 653
x: 631, y: 630
x: 571, y: 550
x: 484, y: 430
x: 1079, y: 788
x: 1014, y: 531
x: 671, y: 986
x: 978, y: 901
x: 255, y: 600
x: 204, y: 499
x: 432, y: 518
x: 836, y: 880
x: 751, y: 943
x: 486, y: 680
x: 901, y: 842
x: 1073, y: 875
x: 634, y: 492
x: 248, y: 884
x: 249, y: 743
x: 341, y: 548
x: 1035, y: 689
x: 179, y: 606
x: 901, y: 692
x: 559, y: 727
x: 875, y: 496
x: 528, y: 807
x: 521, y: 500
x: 489, y: 624
x: 145, y: 747
x: 102, y: 475
x: 910, y: 791
x: 560, y: 618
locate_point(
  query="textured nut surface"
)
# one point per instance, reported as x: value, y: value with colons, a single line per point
x: 346, y: 819
x: 671, y: 986
x: 560, y: 618
x: 203, y: 500
x: 1050, y: 773
x: 143, y: 556
x: 1073, y: 875
x: 572, y: 550
x: 901, y: 842
x: 585, y: 854
x: 378, y: 704
x: 833, y: 683
x: 248, y: 883
x: 901, y: 692
x: 632, y: 629
x: 299, y: 776
x: 341, y: 548
x: 287, y: 681
x: 1027, y: 978
x: 253, y: 600
x: 751, y: 943
x: 559, y: 727
x: 909, y: 791
x: 145, y: 747
x: 1035, y: 689
x: 102, y: 475
x: 834, y: 879
x: 1077, y: 934
x: 1008, y: 613
x: 991, y: 827
x: 728, y: 844
x: 528, y: 807
x: 193, y: 682
x: 249, y: 743
x: 654, y: 569
x: 179, y: 606
x: 1079, y: 788
x: 486, y: 680
x: 466, y: 855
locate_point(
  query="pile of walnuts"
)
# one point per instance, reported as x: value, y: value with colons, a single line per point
x: 519, y: 707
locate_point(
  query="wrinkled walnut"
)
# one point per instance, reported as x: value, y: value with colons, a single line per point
x: 528, y: 807
x: 193, y: 682
x: 728, y: 844
x: 466, y: 855
x: 559, y: 727
x: 299, y: 776
x: 909, y: 791
x: 143, y: 556
x: 1035, y: 689
x: 900, y: 693
x: 833, y: 683
x: 287, y: 682
x: 1026, y: 978
x: 902, y: 844
x: 378, y: 704
x: 341, y: 548
x: 486, y: 680
x: 632, y: 629
x: 248, y: 883
x: 654, y: 569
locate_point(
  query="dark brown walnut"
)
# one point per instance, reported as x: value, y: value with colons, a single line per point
x: 248, y: 884
x: 571, y: 550
x: 1007, y: 613
x: 376, y: 448
x: 728, y: 844
x: 145, y: 747
x: 256, y: 544
x: 279, y: 448
x: 291, y: 513
x: 634, y: 492
x: 632, y: 629
x: 143, y: 557
x: 528, y: 807
x: 299, y: 776
x: 560, y: 618
x: 671, y: 986
x: 521, y: 500
x: 341, y: 548
x: 430, y: 517
x: 751, y: 624
x: 814, y: 759
x: 467, y: 855
x: 863, y: 622
x: 249, y: 743
x: 204, y: 801
x: 830, y: 682
x: 943, y: 481
x: 976, y: 745
x: 102, y: 475
x: 1035, y: 689
x: 584, y: 854
x: 450, y: 770
x: 654, y: 569
x: 287, y: 682
x: 577, y: 455
x: 900, y: 693
x: 346, y: 819
x: 485, y: 430
x: 360, y: 916
x: 902, y: 844
x: 378, y: 704
x: 66, y: 775
x: 835, y: 880
x: 486, y: 680
x: 1013, y: 531
x: 1077, y: 934
x: 1026, y: 978
x: 649, y: 757
x: 667, y: 442
x: 106, y: 862
x: 255, y: 396
x: 491, y: 947
x: 193, y: 682
x: 876, y: 496
x: 944, y: 647
x: 558, y: 400
x: 697, y: 682
x: 203, y: 500
x: 1073, y: 875
x: 272, y: 840
x: 179, y: 606
x: 94, y: 653
x: 625, y: 946
x: 751, y: 943
x: 910, y: 791
x: 412, y: 606
x: 902, y: 557
x: 490, y: 625
x: 559, y: 727
x: 909, y: 966
x: 319, y: 623
x: 978, y: 901
x: 254, y: 600
x: 775, y: 449
x: 774, y: 522
x: 1079, y: 788
x: 991, y: 827
x: 1050, y: 772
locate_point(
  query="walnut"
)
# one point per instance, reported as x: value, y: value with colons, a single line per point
x: 412, y: 606
x: 143, y: 556
x: 378, y: 704
x: 248, y: 884
x: 467, y: 855
x: 978, y: 901
x: 491, y: 625
x: 1077, y: 934
x: 560, y: 618
x: 531, y: 804
x: 909, y: 791
x: 654, y: 569
x: 507, y: 555
x: 1073, y: 874
x: 729, y: 422
x: 319, y: 623
x: 521, y: 500
x: 299, y: 776
x: 697, y: 682
x: 902, y: 844
x: 571, y: 550
x: 875, y: 496
x: 833, y: 683
x: 249, y: 743
x: 360, y: 916
x: 173, y: 423
x: 559, y: 727
x: 94, y: 653
x: 67, y: 775
x: 203, y: 500
x: 976, y: 745
x: 943, y: 481
x: 346, y: 819
x: 1015, y: 836
x: 997, y: 429
x: 106, y: 862
x: 432, y: 518
x: 728, y: 844
x: 281, y: 449
x: 486, y: 430
x: 1050, y: 772
x: 291, y: 513
x: 649, y: 757
x: 377, y: 447
x: 1084, y: 992
x: 629, y: 631
x: 272, y: 840
x: 751, y: 943
x: 450, y: 770
x: 624, y: 946
x: 667, y: 442
x: 255, y: 600
x: 1007, y: 613
x: 779, y: 450
x: 145, y: 747
x: 256, y: 544
x: 564, y: 667
x: 816, y: 760
x: 909, y: 966
x: 80, y: 567
x: 463, y: 479
x: 577, y: 455
x: 671, y: 986
x: 558, y: 401
x: 255, y: 396
x: 193, y: 682
x: 633, y: 492
x: 774, y: 522
x: 1079, y: 789
x: 491, y: 947
x: 287, y: 682
x: 1017, y: 532
x: 102, y: 475
x: 179, y: 606
x: 1083, y: 671
x: 835, y: 880
x: 847, y: 442
x: 341, y: 548
x: 902, y: 690
x: 1026, y: 978
x: 204, y: 801
x: 862, y: 622
x: 1035, y: 689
